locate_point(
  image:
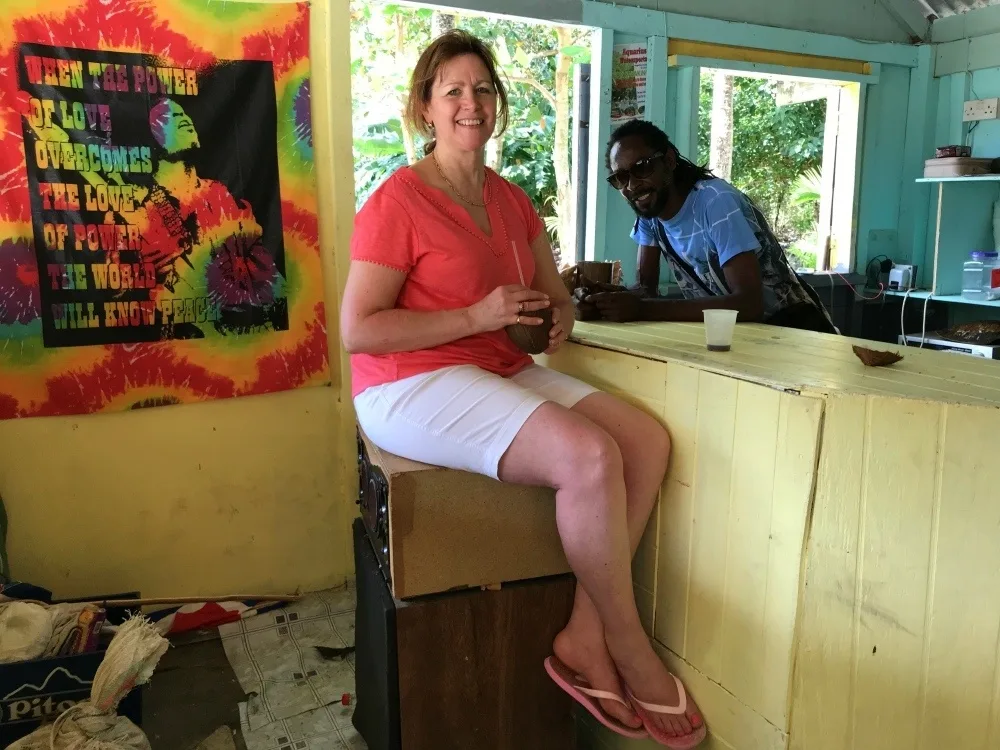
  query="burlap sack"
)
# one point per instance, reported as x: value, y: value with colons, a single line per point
x: 93, y: 725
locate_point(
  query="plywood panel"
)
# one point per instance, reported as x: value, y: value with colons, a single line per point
x: 676, y: 509
x: 732, y: 724
x: 900, y: 620
x: 673, y: 567
x: 825, y: 650
x: 680, y: 413
x: 898, y: 493
x: 717, y: 400
x: 795, y: 473
x: 459, y: 656
x: 608, y: 371
x: 960, y: 667
x: 774, y: 466
x: 754, y: 449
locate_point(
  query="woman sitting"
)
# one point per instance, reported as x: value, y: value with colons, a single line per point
x: 437, y: 261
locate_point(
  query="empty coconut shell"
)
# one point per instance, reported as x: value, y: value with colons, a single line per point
x: 532, y: 339
x: 873, y: 358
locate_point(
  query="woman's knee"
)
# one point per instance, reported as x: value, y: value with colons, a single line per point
x: 592, y: 458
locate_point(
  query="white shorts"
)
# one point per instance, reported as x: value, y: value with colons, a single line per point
x: 460, y: 417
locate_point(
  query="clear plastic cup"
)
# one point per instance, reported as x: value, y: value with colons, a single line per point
x: 719, y: 328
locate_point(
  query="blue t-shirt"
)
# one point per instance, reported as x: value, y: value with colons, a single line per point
x: 717, y: 223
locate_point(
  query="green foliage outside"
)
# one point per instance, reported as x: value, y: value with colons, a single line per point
x: 386, y: 41
x: 773, y: 147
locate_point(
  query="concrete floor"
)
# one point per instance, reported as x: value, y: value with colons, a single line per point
x: 193, y: 692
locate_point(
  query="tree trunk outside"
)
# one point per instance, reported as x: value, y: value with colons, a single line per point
x: 494, y: 153
x: 440, y: 23
x: 721, y: 160
x: 563, y: 165
x: 409, y: 138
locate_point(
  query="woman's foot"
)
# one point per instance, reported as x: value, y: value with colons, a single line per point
x: 650, y: 682
x: 587, y: 655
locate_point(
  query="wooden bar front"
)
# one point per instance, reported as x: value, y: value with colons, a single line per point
x: 821, y: 567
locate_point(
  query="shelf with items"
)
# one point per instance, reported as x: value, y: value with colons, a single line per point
x: 964, y: 223
x: 923, y: 294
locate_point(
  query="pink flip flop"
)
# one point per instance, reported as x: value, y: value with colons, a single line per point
x: 645, y: 711
x: 579, y: 689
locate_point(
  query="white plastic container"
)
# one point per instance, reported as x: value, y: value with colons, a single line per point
x: 719, y: 328
x: 979, y: 274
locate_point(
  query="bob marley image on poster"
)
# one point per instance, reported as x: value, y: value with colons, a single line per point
x: 154, y: 197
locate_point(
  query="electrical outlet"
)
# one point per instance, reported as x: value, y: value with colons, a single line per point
x: 982, y: 109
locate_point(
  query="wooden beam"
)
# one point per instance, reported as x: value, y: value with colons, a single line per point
x: 907, y: 14
x: 686, y: 48
x: 623, y: 18
x: 764, y: 70
x: 786, y: 40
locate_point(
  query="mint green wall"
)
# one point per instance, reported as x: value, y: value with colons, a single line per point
x: 898, y: 129
x: 970, y: 45
x: 882, y: 151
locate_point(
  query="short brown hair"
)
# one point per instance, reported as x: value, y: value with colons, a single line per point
x: 444, y: 49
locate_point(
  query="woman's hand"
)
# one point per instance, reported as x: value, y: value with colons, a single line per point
x: 507, y: 305
x: 558, y: 334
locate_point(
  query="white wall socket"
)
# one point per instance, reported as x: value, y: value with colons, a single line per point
x: 982, y: 109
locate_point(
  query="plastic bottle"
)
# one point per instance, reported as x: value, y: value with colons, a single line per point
x: 976, y: 274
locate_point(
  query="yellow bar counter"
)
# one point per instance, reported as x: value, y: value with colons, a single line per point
x: 823, y: 569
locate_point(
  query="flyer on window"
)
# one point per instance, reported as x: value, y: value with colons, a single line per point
x: 628, y: 83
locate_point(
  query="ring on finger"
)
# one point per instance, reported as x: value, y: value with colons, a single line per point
x: 518, y: 320
x: 520, y: 307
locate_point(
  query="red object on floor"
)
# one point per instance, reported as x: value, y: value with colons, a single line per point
x: 346, y: 699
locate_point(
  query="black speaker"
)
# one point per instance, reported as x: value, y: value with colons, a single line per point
x: 376, y: 710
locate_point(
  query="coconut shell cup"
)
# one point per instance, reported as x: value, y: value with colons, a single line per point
x: 875, y: 358
x: 532, y: 339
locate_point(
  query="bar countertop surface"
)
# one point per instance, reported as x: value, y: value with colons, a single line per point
x: 804, y: 361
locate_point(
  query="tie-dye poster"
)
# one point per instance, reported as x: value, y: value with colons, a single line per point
x: 158, y: 233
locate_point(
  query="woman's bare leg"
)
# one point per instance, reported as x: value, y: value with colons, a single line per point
x: 569, y: 451
x: 645, y: 448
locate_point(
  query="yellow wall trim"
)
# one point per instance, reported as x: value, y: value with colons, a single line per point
x: 684, y: 48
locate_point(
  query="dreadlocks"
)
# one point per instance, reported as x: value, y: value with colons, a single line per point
x: 687, y: 172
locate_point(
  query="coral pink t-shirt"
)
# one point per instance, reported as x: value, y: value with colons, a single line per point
x: 449, y: 262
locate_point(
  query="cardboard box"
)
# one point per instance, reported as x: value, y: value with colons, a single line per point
x: 32, y: 692
x: 453, y: 529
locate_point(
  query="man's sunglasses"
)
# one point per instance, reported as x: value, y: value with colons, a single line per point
x: 640, y: 171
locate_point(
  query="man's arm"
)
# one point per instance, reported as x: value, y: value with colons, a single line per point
x: 648, y: 270
x: 742, y: 276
